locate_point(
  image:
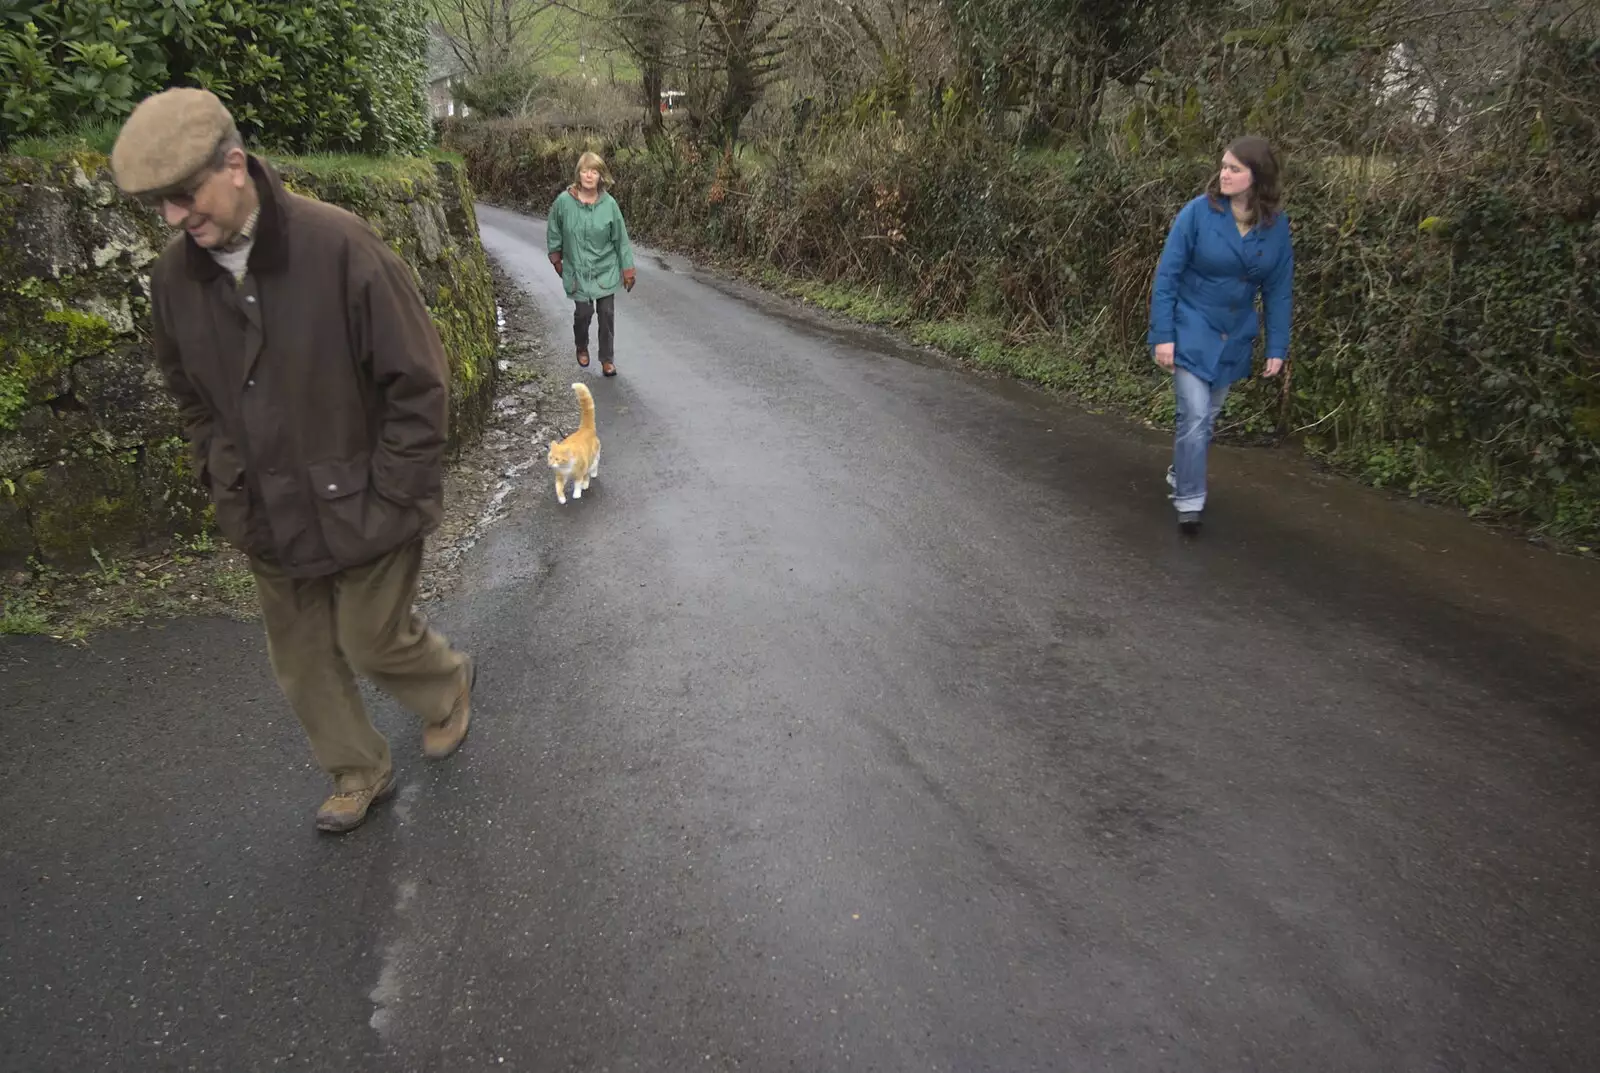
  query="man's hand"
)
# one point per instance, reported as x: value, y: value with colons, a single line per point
x: 555, y: 261
x: 1274, y: 367
x: 1165, y: 352
x: 627, y: 279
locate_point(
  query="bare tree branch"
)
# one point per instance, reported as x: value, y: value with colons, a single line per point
x: 486, y: 35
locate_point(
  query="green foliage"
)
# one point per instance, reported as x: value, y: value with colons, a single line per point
x: 342, y: 75
x: 1051, y: 60
x: 503, y: 91
x: 20, y: 615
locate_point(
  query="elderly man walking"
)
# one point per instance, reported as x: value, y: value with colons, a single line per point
x: 315, y: 394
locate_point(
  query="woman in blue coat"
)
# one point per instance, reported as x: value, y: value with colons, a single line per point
x: 1226, y: 247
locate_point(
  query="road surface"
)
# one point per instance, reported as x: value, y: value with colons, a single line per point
x: 867, y: 714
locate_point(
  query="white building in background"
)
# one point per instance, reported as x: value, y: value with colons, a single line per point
x: 1403, y: 81
x: 445, y: 75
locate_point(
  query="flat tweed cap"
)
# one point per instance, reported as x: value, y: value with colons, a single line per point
x: 167, y: 139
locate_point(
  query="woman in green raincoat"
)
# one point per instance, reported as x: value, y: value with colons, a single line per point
x: 590, y: 251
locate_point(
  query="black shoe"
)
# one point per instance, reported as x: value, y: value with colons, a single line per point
x: 1189, y: 523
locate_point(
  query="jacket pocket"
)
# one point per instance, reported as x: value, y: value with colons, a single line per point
x: 230, y: 493
x: 357, y: 523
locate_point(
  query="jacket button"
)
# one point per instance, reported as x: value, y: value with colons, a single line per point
x: 250, y: 298
x: 1224, y: 337
x: 335, y: 487
x: 249, y: 383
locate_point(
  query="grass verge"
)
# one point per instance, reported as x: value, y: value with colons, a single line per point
x: 193, y: 577
x: 1088, y: 366
x: 98, y: 138
x: 1105, y: 377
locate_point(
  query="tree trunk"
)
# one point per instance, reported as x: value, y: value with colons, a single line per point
x: 739, y: 63
x: 651, y: 84
x: 737, y: 99
x: 1089, y: 105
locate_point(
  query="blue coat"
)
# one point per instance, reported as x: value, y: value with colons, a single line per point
x: 1204, y: 298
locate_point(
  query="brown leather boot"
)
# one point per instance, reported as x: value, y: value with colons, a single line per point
x: 439, y: 740
x: 347, y: 809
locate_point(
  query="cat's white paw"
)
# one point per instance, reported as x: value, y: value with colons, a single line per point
x: 577, y: 492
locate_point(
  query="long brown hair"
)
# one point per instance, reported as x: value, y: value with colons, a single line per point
x: 1266, y: 178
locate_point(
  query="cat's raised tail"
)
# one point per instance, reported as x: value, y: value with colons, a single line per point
x: 586, y: 404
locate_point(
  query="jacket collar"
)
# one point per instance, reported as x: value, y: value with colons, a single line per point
x: 270, y: 252
x: 1223, y: 211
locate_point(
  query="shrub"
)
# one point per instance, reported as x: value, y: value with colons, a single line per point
x: 503, y: 92
x: 340, y: 75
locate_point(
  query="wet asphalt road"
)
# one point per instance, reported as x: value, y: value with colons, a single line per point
x: 867, y: 715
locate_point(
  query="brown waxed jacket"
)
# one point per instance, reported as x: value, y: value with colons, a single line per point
x: 315, y: 393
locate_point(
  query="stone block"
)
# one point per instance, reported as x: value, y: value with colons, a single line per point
x: 16, y: 453
x: 92, y: 504
x: 114, y: 309
x: 124, y: 395
x: 175, y: 503
x: 37, y: 232
x: 428, y: 222
x: 16, y: 538
x: 43, y: 436
x: 108, y: 502
x: 114, y: 236
x: 461, y: 220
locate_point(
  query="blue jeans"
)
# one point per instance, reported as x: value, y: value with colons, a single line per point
x: 1199, y: 403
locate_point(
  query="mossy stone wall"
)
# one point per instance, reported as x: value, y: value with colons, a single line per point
x: 91, y: 455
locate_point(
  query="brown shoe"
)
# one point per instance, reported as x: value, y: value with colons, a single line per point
x: 439, y: 740
x: 583, y: 358
x: 347, y: 809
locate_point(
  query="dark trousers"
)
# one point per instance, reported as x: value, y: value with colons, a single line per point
x: 584, y: 312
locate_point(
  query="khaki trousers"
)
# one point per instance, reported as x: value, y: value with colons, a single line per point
x: 323, y: 631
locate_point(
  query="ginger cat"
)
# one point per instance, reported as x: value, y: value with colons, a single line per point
x: 577, y: 458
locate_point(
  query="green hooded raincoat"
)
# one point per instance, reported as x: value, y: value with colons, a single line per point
x: 593, y: 243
